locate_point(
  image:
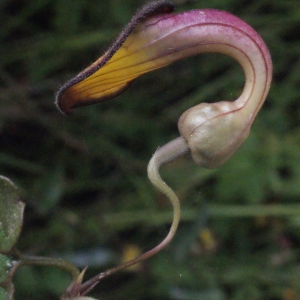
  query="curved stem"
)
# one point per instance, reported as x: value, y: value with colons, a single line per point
x: 38, y: 261
x: 163, y: 155
x: 46, y: 261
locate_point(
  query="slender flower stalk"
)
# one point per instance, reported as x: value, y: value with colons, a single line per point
x: 211, y: 132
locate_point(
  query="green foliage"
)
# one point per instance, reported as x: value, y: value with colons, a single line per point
x: 11, y: 219
x: 84, y: 177
x: 5, y: 265
x: 11, y: 215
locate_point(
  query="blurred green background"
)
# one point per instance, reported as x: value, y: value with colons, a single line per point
x: 83, y: 177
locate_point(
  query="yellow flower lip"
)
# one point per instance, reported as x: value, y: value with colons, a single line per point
x: 155, y: 38
x: 71, y: 94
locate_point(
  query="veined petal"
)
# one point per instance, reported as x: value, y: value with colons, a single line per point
x: 157, y: 41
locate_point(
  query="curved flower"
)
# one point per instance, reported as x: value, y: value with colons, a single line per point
x: 212, y: 132
x: 159, y: 40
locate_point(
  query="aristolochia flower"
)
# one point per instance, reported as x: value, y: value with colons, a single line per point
x: 211, y: 132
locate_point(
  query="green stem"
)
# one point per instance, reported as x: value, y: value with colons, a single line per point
x: 50, y: 262
x: 163, y: 155
x: 24, y: 260
x: 62, y: 264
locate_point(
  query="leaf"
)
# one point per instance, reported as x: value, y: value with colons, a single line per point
x: 11, y: 214
x: 5, y: 265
